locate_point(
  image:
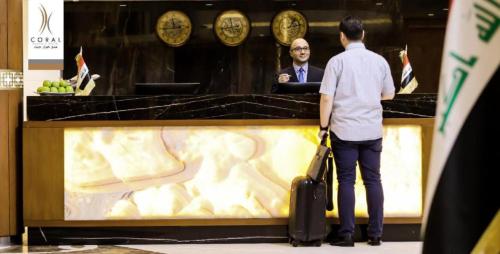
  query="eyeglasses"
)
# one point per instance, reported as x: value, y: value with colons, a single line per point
x: 298, y: 49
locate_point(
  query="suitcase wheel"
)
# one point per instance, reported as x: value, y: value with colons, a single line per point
x: 317, y: 243
x: 294, y: 243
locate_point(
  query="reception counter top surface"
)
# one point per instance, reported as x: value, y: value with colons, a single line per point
x: 235, y: 106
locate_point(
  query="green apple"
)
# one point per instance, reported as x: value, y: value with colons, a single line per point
x: 61, y: 89
x: 55, y: 84
x: 39, y: 89
x: 47, y: 83
x: 54, y: 90
x: 69, y: 89
x: 44, y: 89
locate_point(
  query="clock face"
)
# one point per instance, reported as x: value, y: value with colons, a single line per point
x: 174, y: 28
x: 289, y: 25
x: 232, y: 27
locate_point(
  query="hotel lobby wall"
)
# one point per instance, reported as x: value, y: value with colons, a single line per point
x: 31, y: 78
x: 121, y: 45
x: 10, y: 163
x: 425, y: 55
x: 11, y: 57
x: 11, y: 50
x: 44, y: 167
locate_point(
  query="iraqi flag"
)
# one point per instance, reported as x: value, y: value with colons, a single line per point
x: 463, y: 188
x: 408, y: 80
x: 84, y: 82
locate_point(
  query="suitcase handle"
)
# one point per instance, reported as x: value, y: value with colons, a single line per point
x: 329, y: 181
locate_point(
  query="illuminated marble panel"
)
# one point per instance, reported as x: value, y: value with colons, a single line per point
x: 215, y: 172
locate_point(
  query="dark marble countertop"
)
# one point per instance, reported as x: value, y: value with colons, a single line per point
x: 213, y: 106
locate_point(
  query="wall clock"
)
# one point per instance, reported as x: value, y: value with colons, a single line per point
x: 232, y: 27
x: 289, y: 25
x: 174, y: 28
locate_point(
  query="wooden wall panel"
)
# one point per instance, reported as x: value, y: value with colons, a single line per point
x: 10, y: 112
x: 4, y: 164
x: 43, y: 175
x: 425, y: 56
x: 15, y: 34
x: 11, y: 34
x: 15, y: 166
x: 3, y: 34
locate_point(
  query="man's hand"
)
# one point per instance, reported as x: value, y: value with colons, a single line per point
x: 283, y: 78
x: 322, y: 133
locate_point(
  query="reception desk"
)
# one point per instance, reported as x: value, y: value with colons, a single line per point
x: 212, y: 160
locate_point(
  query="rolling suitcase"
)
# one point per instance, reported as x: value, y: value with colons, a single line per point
x: 307, y: 218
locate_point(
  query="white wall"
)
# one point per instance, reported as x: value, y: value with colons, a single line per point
x: 32, y: 78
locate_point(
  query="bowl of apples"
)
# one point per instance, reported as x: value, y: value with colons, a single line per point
x: 60, y: 87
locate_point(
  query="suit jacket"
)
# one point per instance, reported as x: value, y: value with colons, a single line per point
x: 314, y: 74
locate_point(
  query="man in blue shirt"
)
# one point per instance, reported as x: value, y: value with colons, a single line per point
x: 353, y: 86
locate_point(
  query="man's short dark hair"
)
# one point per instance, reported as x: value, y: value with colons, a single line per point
x: 352, y: 28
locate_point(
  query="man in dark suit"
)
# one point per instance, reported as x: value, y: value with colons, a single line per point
x: 300, y: 71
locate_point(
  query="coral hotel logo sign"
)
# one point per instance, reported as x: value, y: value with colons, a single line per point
x: 45, y: 34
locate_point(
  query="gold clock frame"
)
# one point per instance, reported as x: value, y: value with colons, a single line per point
x: 280, y: 34
x: 227, y: 35
x: 180, y: 35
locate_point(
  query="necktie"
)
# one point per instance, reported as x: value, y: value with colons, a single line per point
x: 301, y: 75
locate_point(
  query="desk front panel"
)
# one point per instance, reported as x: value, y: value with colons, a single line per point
x: 205, y: 172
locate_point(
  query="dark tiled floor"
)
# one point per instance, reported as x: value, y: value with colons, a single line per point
x: 261, y: 248
x: 84, y: 249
